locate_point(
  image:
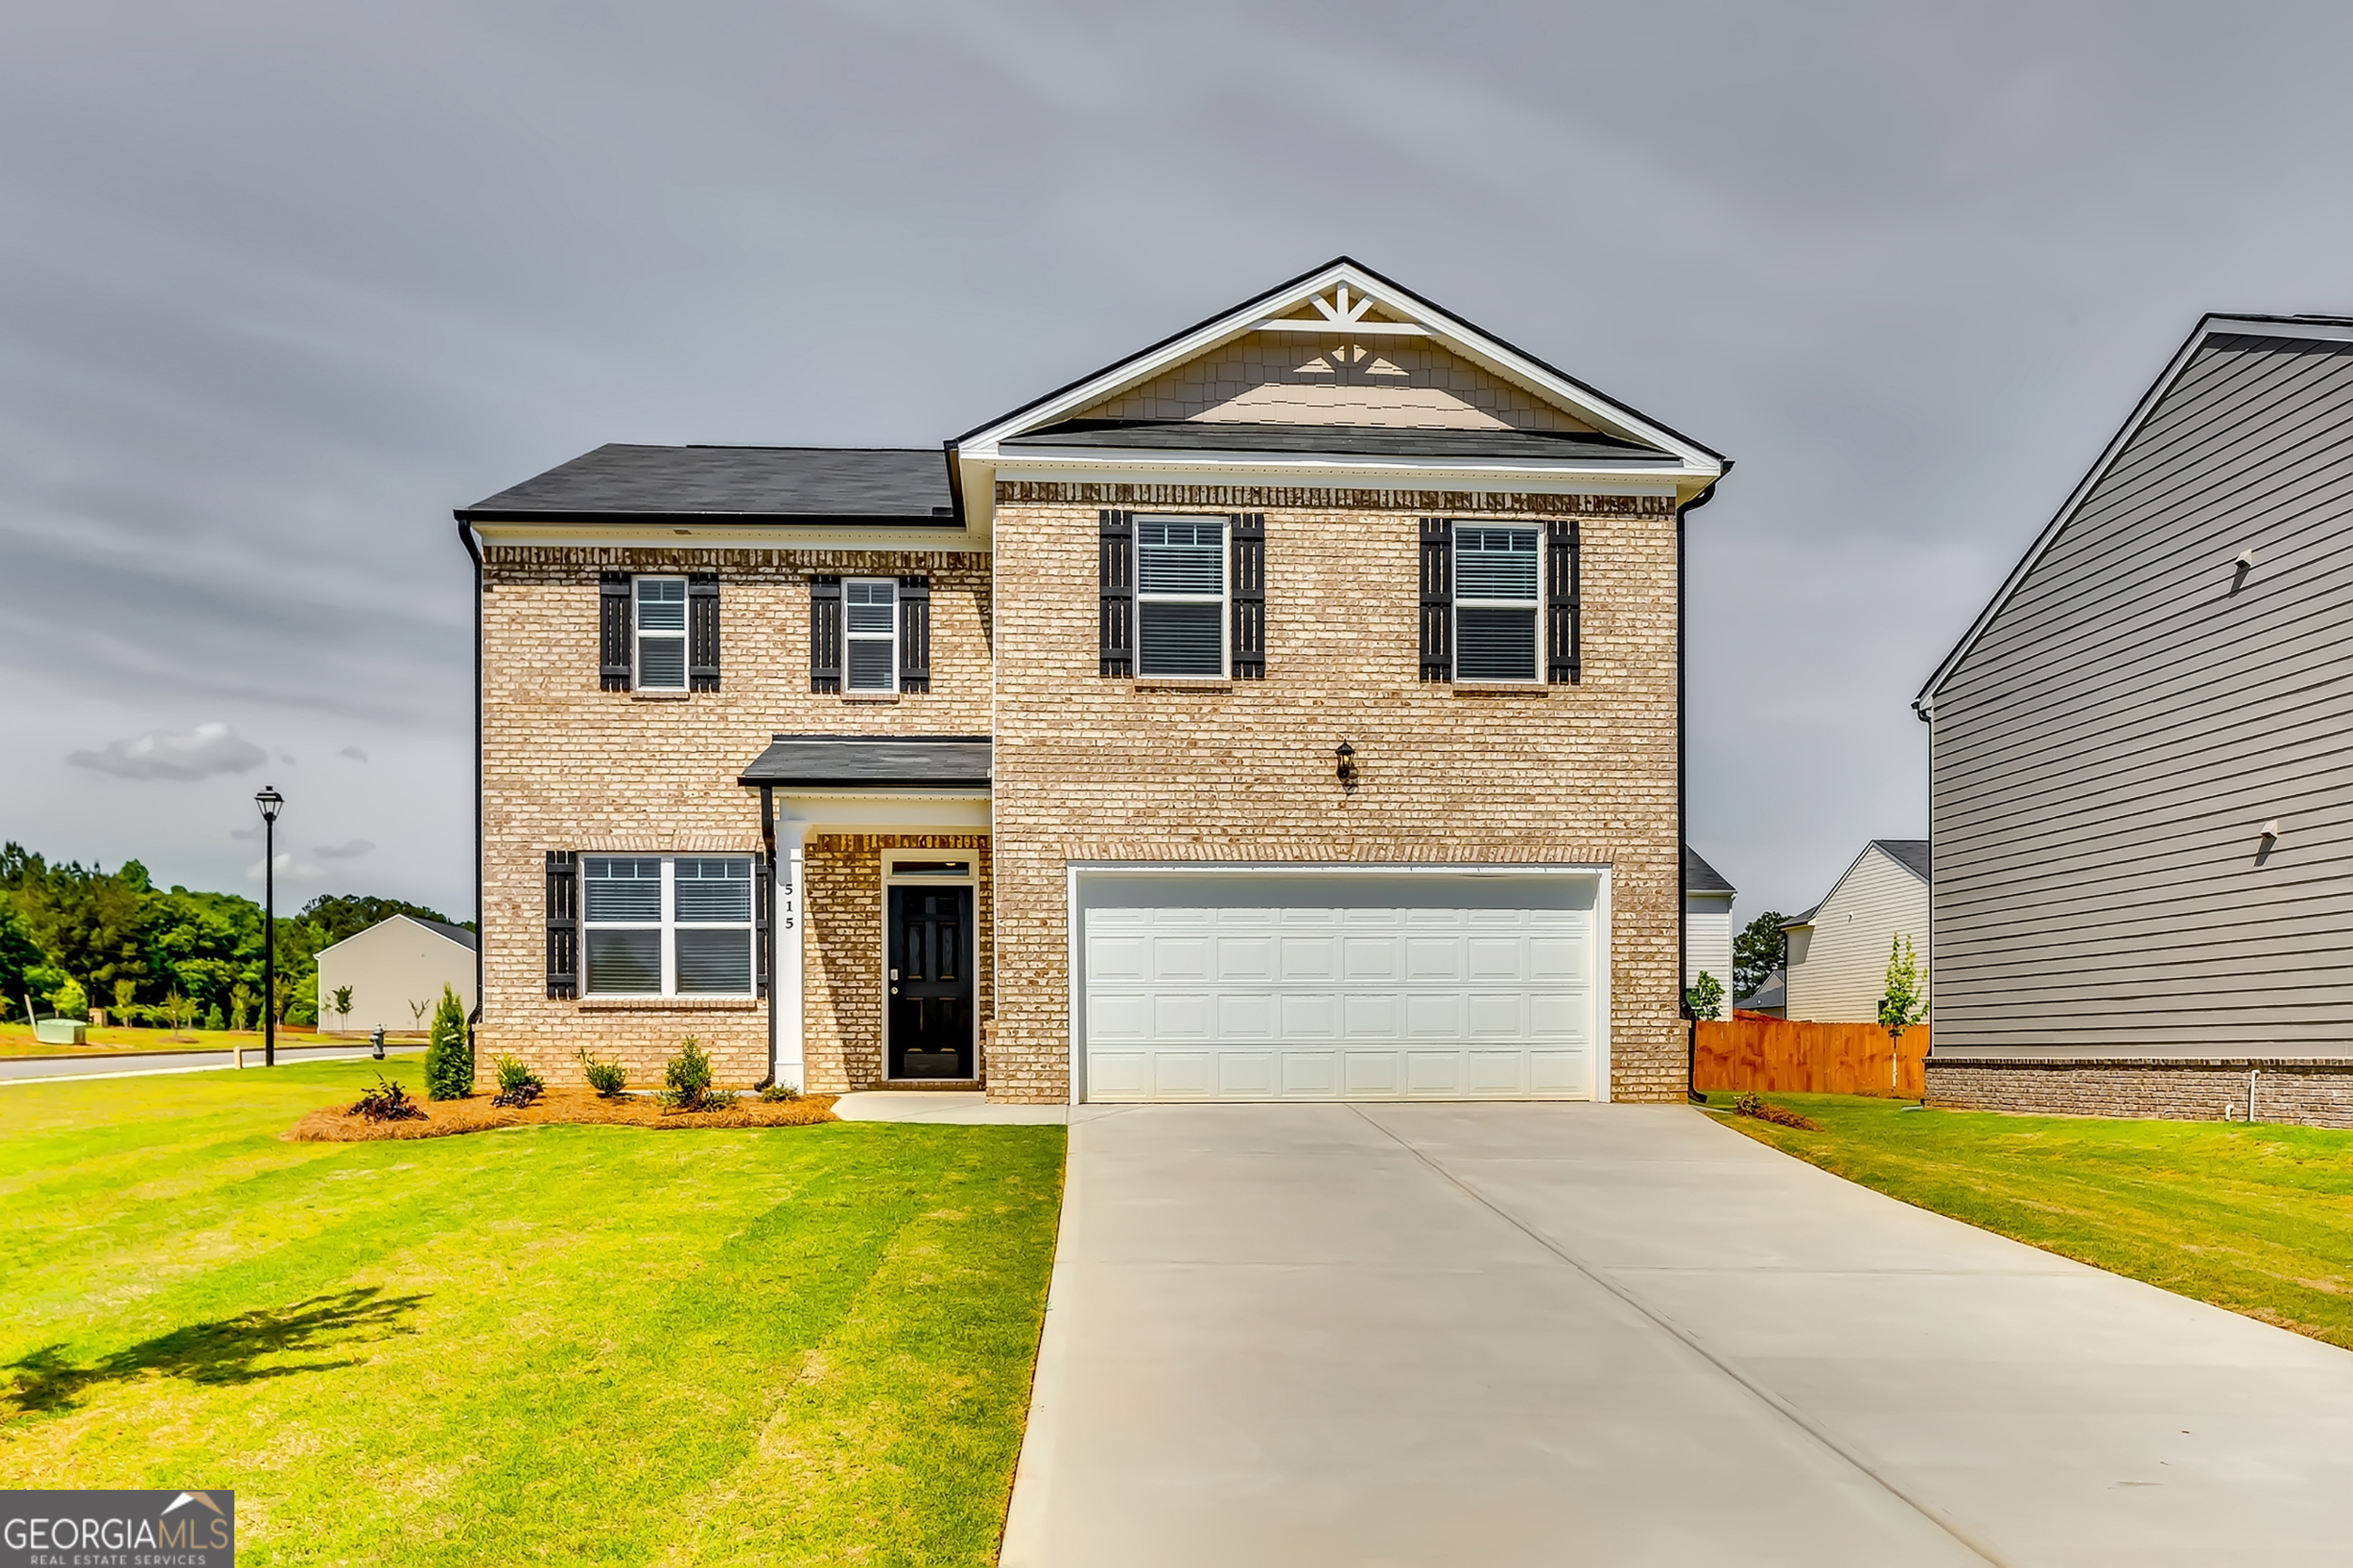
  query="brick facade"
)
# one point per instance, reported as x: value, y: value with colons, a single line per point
x: 2311, y: 1093
x: 1097, y: 769
x: 565, y: 765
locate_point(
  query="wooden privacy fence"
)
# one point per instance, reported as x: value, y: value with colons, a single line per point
x: 1797, y: 1057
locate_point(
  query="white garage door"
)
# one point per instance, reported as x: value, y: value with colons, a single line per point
x: 1244, y: 986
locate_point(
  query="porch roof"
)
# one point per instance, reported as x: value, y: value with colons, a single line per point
x: 872, y: 763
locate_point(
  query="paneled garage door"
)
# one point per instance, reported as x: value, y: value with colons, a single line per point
x: 1246, y: 986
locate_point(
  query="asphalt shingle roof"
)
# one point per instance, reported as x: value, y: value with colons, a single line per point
x: 725, y: 484
x: 873, y: 762
x: 1701, y: 877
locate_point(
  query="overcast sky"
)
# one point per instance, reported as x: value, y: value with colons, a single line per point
x: 285, y: 283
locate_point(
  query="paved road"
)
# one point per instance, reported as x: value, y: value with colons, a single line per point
x: 1535, y: 1335
x: 21, y: 1068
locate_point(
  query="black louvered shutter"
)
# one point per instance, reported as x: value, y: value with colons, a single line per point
x: 702, y: 630
x: 766, y: 867
x: 1117, y: 571
x: 1247, y: 573
x: 824, y: 633
x: 613, y: 660
x: 914, y: 634
x: 563, y: 924
x: 1437, y: 599
x: 1563, y: 607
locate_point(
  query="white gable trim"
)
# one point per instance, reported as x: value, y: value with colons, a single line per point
x: 1410, y: 314
x: 2327, y: 331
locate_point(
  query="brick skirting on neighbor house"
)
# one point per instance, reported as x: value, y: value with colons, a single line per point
x: 2201, y: 1089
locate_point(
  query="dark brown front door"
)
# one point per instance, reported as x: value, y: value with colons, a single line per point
x: 930, y: 983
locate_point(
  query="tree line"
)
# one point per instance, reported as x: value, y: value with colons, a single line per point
x: 74, y: 937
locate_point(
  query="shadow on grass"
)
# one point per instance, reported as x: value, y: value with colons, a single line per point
x: 226, y: 1350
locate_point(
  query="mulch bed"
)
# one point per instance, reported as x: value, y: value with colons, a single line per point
x: 334, y: 1124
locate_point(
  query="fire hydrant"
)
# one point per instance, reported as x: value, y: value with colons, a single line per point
x: 376, y: 1040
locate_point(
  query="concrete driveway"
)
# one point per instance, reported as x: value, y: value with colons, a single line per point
x: 1522, y: 1335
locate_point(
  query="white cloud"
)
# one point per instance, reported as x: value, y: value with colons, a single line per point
x: 176, y: 754
x: 351, y: 851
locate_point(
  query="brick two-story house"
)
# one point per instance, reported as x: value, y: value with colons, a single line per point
x: 1289, y: 710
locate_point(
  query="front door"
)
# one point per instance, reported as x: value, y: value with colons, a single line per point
x: 930, y: 950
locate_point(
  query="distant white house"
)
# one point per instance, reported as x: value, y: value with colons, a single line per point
x: 1707, y: 925
x: 396, y: 961
x: 1837, y: 960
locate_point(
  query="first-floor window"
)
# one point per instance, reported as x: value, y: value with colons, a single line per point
x: 667, y: 925
x: 870, y: 629
x: 1495, y: 604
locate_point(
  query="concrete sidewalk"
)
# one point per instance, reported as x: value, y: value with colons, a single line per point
x: 1541, y: 1334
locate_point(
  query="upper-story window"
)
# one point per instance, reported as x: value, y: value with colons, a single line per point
x: 661, y: 633
x: 871, y: 631
x: 667, y: 925
x: 1497, y: 589
x: 1180, y: 596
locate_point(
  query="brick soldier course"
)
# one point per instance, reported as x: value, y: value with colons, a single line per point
x: 1090, y: 768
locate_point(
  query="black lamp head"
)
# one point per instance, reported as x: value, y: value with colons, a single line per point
x: 270, y: 801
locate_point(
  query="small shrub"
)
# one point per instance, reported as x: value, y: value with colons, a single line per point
x: 518, y: 1085
x: 71, y: 1001
x: 1752, y: 1104
x: 608, y: 1079
x: 686, y: 1081
x: 388, y: 1102
x: 213, y: 1020
x: 773, y: 1092
x: 448, y: 1054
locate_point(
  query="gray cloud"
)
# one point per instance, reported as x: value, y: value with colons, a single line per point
x: 1909, y: 265
x: 182, y: 755
x: 355, y: 753
x: 351, y: 851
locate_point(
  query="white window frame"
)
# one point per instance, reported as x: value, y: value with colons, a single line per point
x: 848, y: 636
x: 1222, y: 598
x: 638, y: 633
x: 668, y: 924
x: 1535, y: 605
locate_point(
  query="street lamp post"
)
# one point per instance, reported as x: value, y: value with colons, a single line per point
x: 271, y: 803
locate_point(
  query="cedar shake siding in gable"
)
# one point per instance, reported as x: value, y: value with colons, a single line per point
x: 2107, y: 751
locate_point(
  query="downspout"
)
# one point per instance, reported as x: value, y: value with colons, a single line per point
x: 1682, y: 934
x: 1925, y: 711
x: 481, y: 932
x: 768, y: 842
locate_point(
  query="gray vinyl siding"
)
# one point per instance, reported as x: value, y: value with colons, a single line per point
x: 2105, y: 755
x: 1838, y: 965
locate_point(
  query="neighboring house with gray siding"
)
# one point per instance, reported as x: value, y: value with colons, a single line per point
x: 1836, y: 968
x: 2141, y: 798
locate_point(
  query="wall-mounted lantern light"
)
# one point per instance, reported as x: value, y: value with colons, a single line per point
x: 1346, y: 772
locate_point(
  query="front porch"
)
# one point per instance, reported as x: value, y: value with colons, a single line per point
x: 884, y: 924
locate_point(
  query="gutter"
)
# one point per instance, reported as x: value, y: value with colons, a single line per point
x: 1682, y: 934
x: 481, y: 931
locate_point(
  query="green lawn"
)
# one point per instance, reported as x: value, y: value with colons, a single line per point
x: 17, y: 1040
x: 2257, y: 1219
x: 557, y: 1344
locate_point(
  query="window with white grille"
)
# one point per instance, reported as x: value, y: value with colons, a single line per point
x: 666, y: 925
x: 1180, y: 596
x: 1497, y: 588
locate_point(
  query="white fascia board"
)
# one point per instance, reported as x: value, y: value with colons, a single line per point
x: 1458, y: 336
x: 2211, y: 326
x: 964, y: 541
x: 1348, y: 472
